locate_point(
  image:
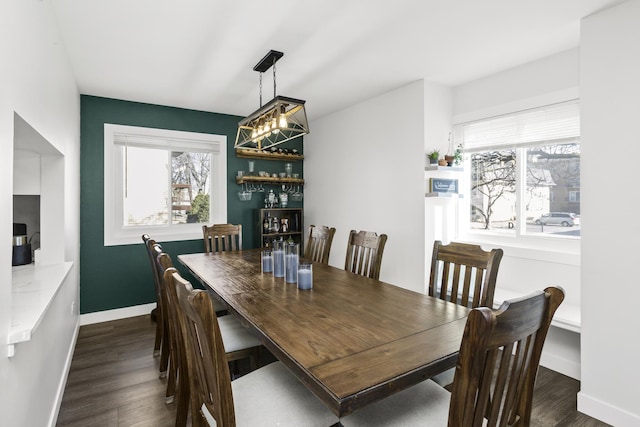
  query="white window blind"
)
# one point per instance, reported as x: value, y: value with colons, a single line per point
x: 540, y: 126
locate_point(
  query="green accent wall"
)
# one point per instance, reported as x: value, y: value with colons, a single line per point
x: 120, y: 276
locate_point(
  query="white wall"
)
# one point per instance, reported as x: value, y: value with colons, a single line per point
x: 364, y: 170
x: 37, y: 84
x: 610, y: 89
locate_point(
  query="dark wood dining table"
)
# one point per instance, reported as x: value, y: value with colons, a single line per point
x: 351, y: 340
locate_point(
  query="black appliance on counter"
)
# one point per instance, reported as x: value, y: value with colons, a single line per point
x: 21, y: 246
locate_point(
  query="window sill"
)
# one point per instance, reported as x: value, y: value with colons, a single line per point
x: 33, y: 289
x: 566, y: 317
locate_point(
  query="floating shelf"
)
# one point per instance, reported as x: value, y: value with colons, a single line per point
x: 444, y: 168
x: 448, y: 195
x: 268, y: 180
x: 266, y: 155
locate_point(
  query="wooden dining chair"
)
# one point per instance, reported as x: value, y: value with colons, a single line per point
x: 495, y: 372
x: 364, y: 253
x: 268, y: 396
x: 318, y: 243
x: 464, y: 274
x: 222, y: 237
x: 161, y: 345
x: 240, y: 343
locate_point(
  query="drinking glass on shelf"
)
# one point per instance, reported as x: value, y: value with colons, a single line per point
x: 288, y: 168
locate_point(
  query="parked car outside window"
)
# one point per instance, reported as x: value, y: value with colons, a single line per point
x: 565, y: 219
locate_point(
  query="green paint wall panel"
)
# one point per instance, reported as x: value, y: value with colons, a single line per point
x: 120, y: 276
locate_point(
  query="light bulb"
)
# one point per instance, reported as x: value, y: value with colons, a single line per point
x: 254, y: 133
x: 282, y: 123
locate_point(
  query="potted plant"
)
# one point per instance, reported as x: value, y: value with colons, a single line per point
x: 457, y: 155
x: 433, y: 156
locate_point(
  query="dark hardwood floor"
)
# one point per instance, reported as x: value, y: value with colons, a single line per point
x: 114, y: 381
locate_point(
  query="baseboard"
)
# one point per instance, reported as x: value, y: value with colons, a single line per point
x: 605, y: 412
x: 63, y: 381
x: 116, y: 314
x: 559, y: 364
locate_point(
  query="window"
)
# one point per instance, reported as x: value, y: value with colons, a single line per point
x: 163, y: 183
x: 522, y: 166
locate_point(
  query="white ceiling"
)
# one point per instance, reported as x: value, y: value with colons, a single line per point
x: 199, y: 54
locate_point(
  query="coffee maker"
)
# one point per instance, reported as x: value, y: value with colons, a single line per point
x: 21, y: 246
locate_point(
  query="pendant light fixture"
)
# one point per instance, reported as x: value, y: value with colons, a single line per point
x: 280, y: 120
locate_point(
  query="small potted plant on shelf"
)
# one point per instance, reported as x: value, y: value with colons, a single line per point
x: 457, y: 155
x: 433, y: 156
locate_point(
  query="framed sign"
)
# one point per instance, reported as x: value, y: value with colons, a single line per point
x: 443, y: 185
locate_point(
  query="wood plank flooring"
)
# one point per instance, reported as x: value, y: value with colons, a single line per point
x: 113, y: 381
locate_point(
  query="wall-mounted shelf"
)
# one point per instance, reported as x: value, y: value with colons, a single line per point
x: 447, y: 195
x: 268, y: 180
x: 266, y: 155
x: 444, y: 168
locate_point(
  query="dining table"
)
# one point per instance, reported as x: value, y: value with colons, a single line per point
x: 350, y: 339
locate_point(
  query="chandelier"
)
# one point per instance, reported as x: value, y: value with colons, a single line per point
x: 280, y: 120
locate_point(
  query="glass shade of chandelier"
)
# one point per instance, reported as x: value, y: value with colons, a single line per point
x: 280, y: 120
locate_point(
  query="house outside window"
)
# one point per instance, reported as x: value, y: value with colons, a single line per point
x: 520, y: 167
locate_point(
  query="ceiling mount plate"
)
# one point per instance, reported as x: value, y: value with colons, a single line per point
x: 269, y: 59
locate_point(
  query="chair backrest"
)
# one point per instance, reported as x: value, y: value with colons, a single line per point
x: 318, y: 243
x: 149, y: 243
x: 464, y: 273
x: 498, y: 361
x: 222, y: 237
x: 207, y: 363
x: 364, y: 253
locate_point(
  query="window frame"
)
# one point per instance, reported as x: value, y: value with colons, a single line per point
x: 115, y: 233
x: 535, y: 246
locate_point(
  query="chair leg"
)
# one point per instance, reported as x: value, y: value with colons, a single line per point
x: 159, y: 334
x: 172, y: 380
x: 182, y: 409
x: 165, y: 349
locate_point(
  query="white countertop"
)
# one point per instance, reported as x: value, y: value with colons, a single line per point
x: 33, y: 289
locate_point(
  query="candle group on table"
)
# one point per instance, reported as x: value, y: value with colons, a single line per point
x: 284, y: 261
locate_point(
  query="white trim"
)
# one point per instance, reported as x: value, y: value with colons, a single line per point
x: 606, y: 413
x: 53, y: 419
x: 116, y: 314
x: 114, y: 233
x: 560, y: 364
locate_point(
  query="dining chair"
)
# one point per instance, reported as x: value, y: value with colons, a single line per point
x: 160, y: 346
x: 495, y: 372
x: 268, y: 396
x: 464, y: 274
x: 318, y: 243
x: 240, y: 343
x: 364, y: 253
x: 222, y: 237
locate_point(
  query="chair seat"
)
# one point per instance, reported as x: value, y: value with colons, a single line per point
x: 235, y: 336
x: 272, y: 396
x: 425, y: 404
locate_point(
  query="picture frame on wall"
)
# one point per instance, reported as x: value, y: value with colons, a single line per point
x: 443, y: 185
